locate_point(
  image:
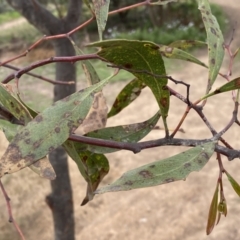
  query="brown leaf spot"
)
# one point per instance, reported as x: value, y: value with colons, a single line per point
x: 164, y: 102
x: 237, y: 83
x: 128, y: 65
x: 215, y: 45
x: 37, y: 144
x: 152, y: 166
x: 200, y: 161
x: 26, y: 133
x: 129, y: 183
x: 168, y: 180
x: 51, y: 149
x: 207, y: 12
x: 66, y: 99
x: 205, y: 155
x: 80, y: 120
x: 211, y: 21
x: 13, y: 153
x: 104, y: 120
x: 76, y: 102
x: 187, y: 165
x: 93, y: 115
x: 213, y: 31
x: 213, y: 61
x: 29, y: 158
x: 204, y: 19
x: 57, y: 129
x: 38, y: 118
x: 145, y: 174
x: 27, y: 141
x: 17, y: 110
x: 67, y: 115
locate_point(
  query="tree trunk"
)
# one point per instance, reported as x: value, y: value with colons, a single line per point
x: 60, y: 200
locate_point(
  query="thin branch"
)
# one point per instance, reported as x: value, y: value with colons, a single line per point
x: 39, y: 76
x: 72, y: 59
x: 11, y: 219
x: 137, y: 147
x: 231, y: 122
x: 66, y: 35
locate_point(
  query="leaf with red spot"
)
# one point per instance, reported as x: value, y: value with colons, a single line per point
x: 168, y: 170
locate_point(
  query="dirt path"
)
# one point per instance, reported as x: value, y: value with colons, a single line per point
x: 177, y: 211
x: 14, y: 23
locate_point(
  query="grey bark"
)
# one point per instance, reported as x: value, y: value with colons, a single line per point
x: 60, y: 200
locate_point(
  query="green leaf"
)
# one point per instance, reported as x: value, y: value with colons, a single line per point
x: 42, y: 167
x: 215, y: 41
x: 69, y: 146
x: 101, y: 11
x: 160, y: 2
x: 93, y: 167
x: 164, y: 171
x: 128, y: 94
x: 126, y: 133
x: 97, y: 168
x: 212, y: 215
x: 87, y: 4
x: 176, y: 53
x: 186, y: 44
x: 229, y: 86
x: 48, y: 130
x: 13, y: 105
x: 9, y: 129
x: 144, y: 61
x: 234, y: 183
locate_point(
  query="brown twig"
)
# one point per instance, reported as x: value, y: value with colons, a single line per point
x: 66, y: 35
x: 11, y: 219
x: 27, y: 69
x: 39, y: 76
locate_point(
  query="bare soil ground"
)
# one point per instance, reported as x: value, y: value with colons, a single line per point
x: 174, y: 211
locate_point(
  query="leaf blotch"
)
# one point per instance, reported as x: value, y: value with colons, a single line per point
x: 38, y: 118
x: 187, y: 165
x: 168, y: 180
x: 37, y: 144
x: 152, y: 166
x: 213, y: 31
x: 57, y: 129
x: 129, y: 183
x: 128, y: 65
x: 145, y: 174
